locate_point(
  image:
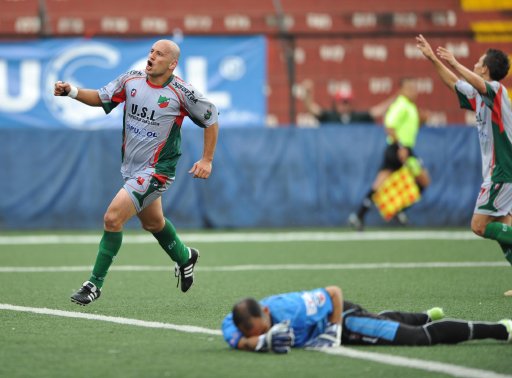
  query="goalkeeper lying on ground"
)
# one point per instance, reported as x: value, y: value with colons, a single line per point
x: 320, y: 318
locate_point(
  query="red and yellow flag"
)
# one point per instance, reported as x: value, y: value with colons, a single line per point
x: 397, y: 192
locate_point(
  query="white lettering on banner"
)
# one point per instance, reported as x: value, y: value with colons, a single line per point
x: 232, y: 68
x: 437, y: 119
x: 197, y: 68
x: 70, y: 25
x: 364, y: 20
x: 335, y: 53
x: 299, y: 55
x: 237, y: 22
x: 27, y: 25
x: 286, y: 22
x: 154, y: 24
x: 375, y: 52
x: 459, y: 50
x: 320, y: 21
x: 378, y: 85
x: 334, y: 86
x: 412, y: 52
x: 23, y: 89
x: 405, y: 19
x: 197, y: 22
x: 448, y: 18
x: 114, y: 24
x: 424, y: 85
x: 73, y: 113
x: 28, y: 94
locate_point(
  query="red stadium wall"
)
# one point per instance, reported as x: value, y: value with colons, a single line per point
x: 363, y: 44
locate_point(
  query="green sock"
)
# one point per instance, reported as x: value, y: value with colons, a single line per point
x: 109, y: 246
x: 507, y: 251
x: 171, y: 243
x: 502, y: 233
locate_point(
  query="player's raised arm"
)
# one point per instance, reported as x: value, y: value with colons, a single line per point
x: 87, y: 96
x: 472, y: 78
x: 447, y: 76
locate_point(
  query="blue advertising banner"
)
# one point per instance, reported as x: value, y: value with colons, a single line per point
x: 230, y: 71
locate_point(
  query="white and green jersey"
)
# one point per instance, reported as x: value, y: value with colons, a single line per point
x: 152, y: 120
x: 494, y: 122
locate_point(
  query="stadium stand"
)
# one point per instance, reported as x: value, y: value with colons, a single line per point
x: 366, y: 45
x: 20, y: 18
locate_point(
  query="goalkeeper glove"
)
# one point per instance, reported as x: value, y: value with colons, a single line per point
x: 279, y: 339
x: 330, y: 338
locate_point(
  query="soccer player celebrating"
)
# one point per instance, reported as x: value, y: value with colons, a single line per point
x: 480, y: 90
x: 156, y: 102
x: 320, y: 318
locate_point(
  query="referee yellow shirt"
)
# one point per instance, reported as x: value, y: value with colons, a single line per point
x: 403, y: 117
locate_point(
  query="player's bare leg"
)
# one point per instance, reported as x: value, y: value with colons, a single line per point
x: 120, y: 210
x: 152, y: 217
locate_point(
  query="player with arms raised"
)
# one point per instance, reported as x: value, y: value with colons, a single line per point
x: 480, y: 90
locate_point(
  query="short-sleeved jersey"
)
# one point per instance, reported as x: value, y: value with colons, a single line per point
x: 494, y: 123
x: 152, y: 120
x: 403, y: 117
x: 307, y: 312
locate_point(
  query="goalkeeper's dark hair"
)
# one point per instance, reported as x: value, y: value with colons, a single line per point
x: 244, y: 311
x: 498, y: 64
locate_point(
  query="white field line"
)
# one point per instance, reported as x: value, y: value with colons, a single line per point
x: 111, y: 319
x: 242, y: 268
x: 432, y: 366
x: 237, y: 237
x: 414, y: 363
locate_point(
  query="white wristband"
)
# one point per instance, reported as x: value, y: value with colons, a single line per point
x: 73, y: 92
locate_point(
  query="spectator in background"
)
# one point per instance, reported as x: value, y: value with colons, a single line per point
x: 402, y: 122
x: 342, y: 111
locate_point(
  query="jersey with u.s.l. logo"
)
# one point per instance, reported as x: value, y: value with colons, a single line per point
x: 152, y: 119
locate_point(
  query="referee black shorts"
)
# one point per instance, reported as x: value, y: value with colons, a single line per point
x: 391, y: 161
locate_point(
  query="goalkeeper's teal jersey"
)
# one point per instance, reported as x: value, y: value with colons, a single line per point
x: 152, y: 120
x: 307, y: 312
x: 494, y: 122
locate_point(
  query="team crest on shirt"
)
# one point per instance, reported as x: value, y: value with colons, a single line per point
x: 133, y: 92
x: 208, y: 114
x: 319, y: 298
x: 163, y: 101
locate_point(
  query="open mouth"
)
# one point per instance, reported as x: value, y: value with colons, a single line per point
x: 150, y: 63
